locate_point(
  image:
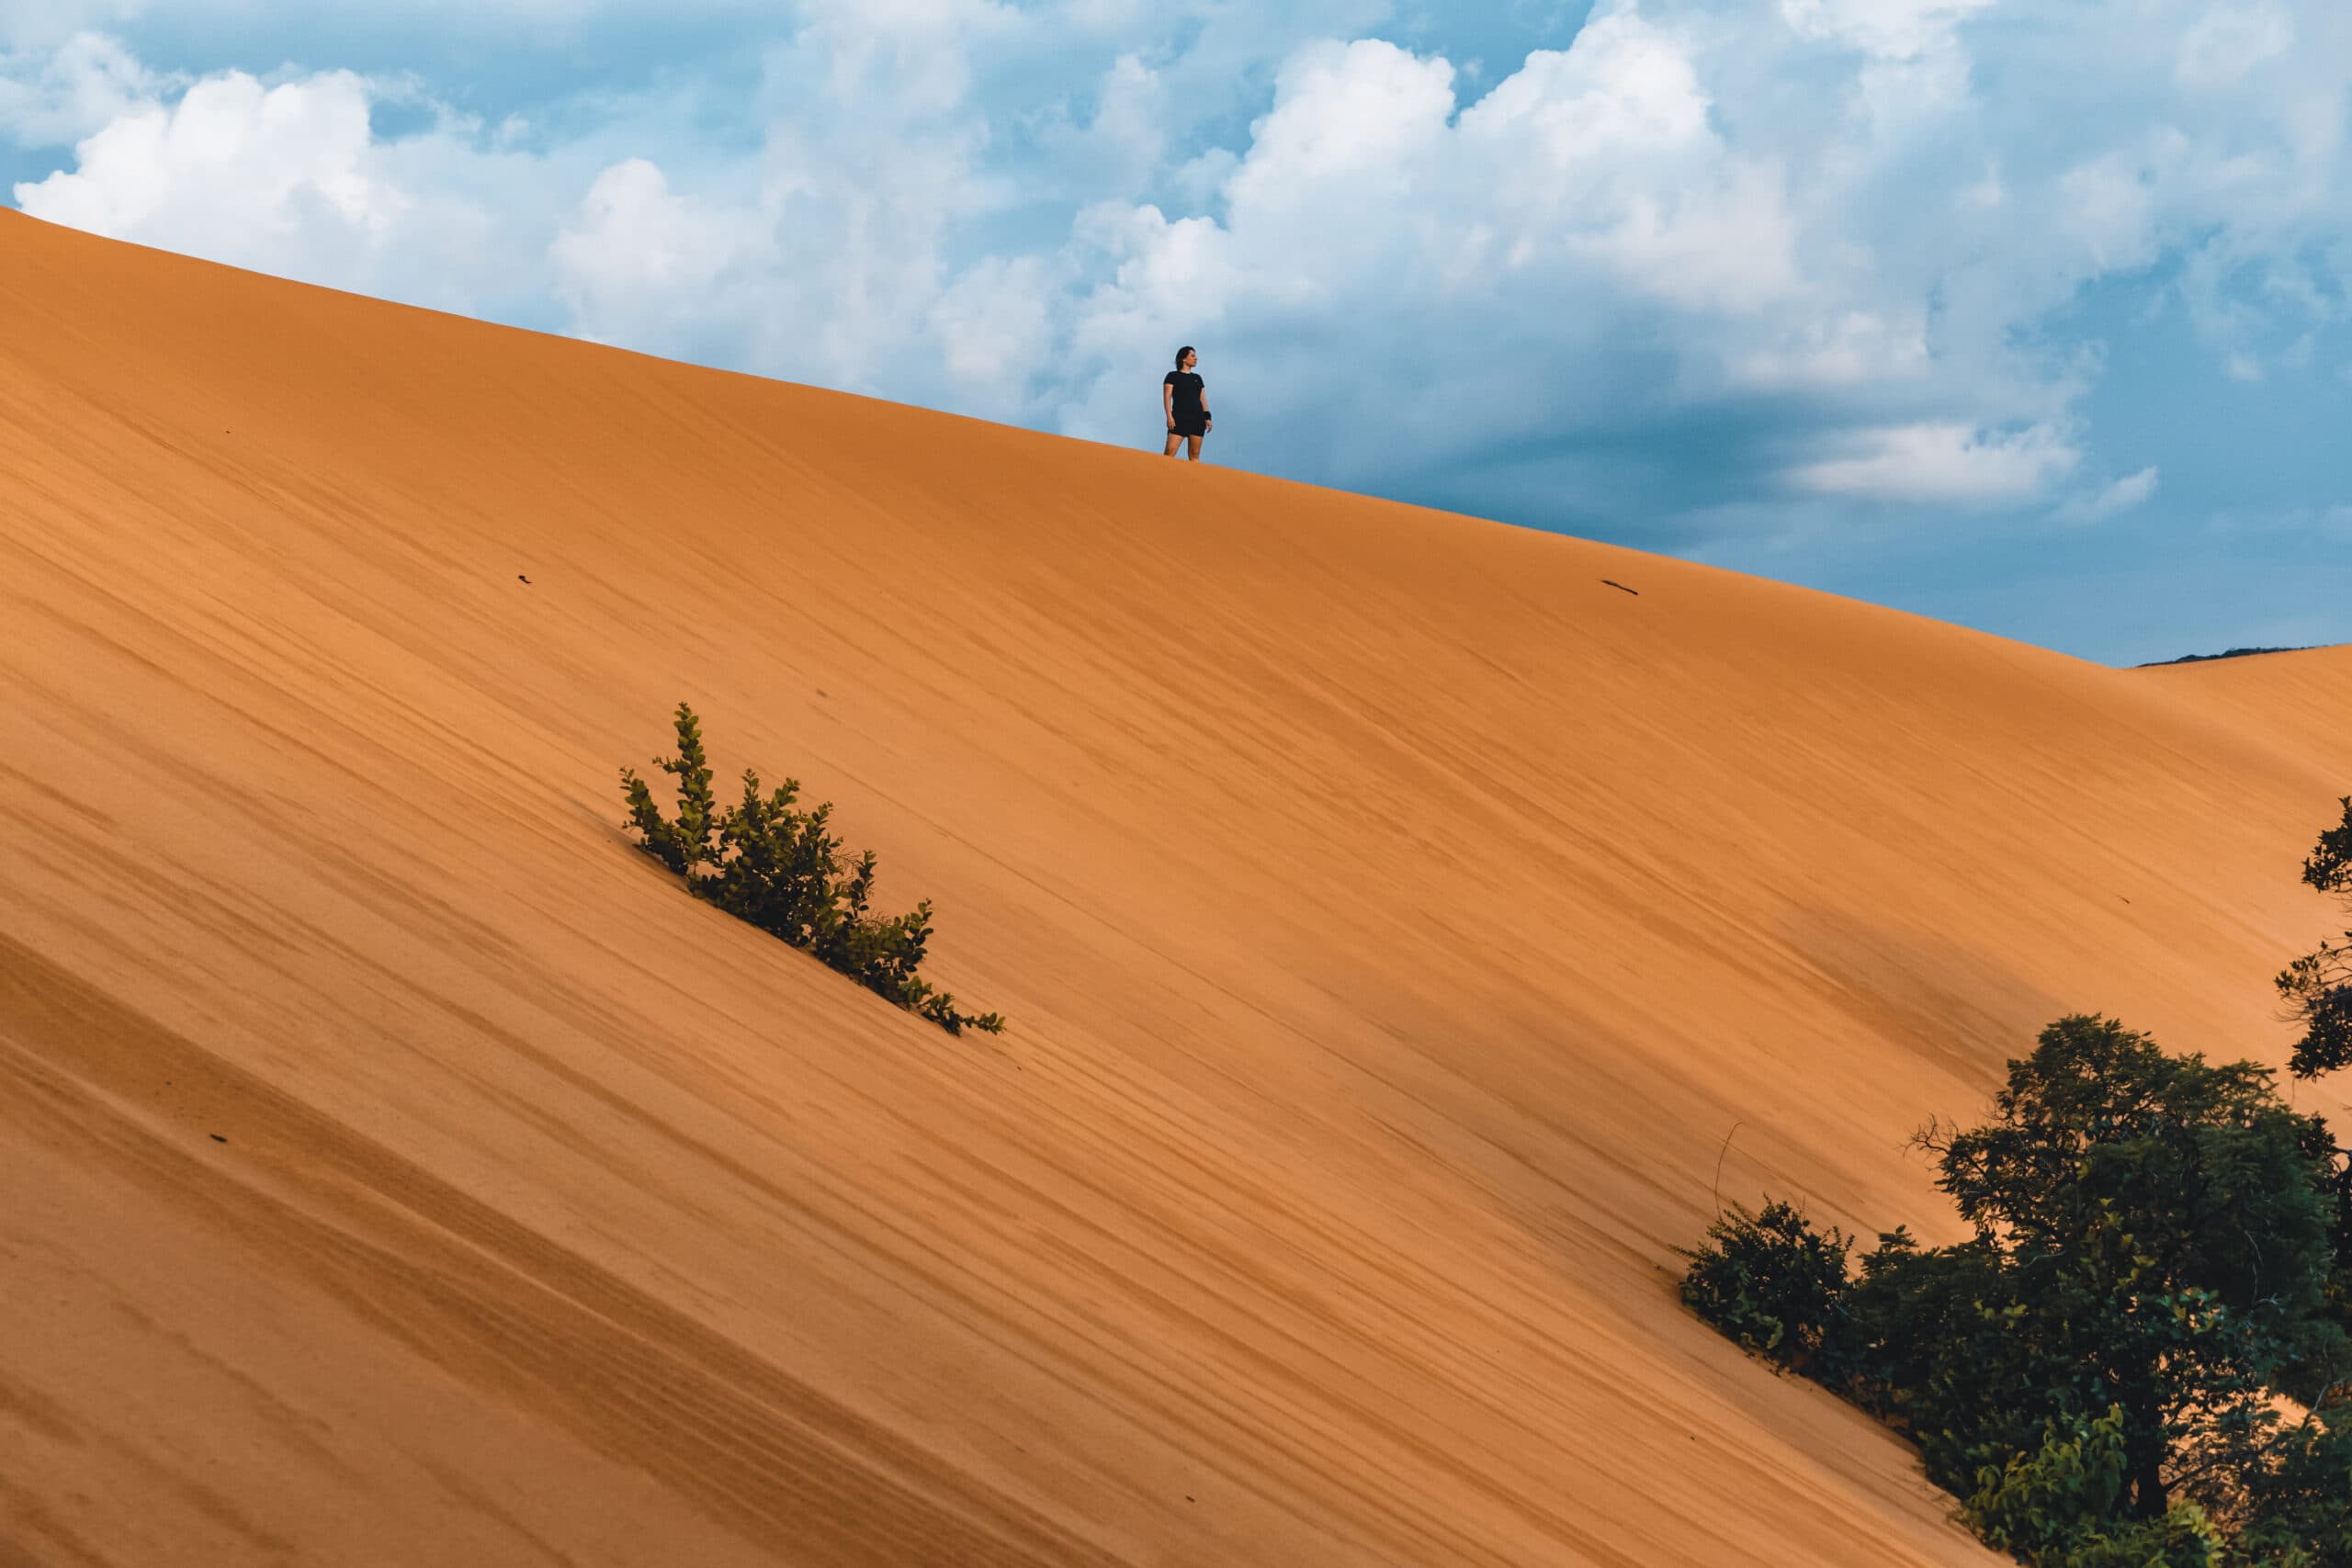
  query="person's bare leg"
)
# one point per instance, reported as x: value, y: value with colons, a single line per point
x: 1194, y: 455
x: 1172, y: 439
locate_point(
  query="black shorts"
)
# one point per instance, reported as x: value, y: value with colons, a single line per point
x: 1189, y: 426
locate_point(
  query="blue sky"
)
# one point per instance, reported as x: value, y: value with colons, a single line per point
x: 2035, y: 315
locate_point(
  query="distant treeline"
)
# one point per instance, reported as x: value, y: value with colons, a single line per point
x: 2144, y: 1354
x: 2226, y: 653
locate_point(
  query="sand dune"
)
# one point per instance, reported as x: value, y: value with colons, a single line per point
x: 1393, y: 921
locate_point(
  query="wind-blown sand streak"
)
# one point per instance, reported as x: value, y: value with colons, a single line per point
x: 1394, y: 919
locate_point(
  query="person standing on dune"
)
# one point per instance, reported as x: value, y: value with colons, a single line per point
x: 1182, y: 398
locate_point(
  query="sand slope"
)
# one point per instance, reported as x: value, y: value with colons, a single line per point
x: 1393, y: 921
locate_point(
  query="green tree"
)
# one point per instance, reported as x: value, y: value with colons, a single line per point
x: 2167, y: 1226
x: 2317, y: 990
x: 2100, y: 1369
x: 2317, y: 987
x: 2144, y: 1354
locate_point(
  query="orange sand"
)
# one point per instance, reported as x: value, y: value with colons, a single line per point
x: 1393, y: 919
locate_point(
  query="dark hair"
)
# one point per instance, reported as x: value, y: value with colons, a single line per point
x: 1180, y: 354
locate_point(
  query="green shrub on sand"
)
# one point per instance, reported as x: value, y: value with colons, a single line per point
x: 766, y: 861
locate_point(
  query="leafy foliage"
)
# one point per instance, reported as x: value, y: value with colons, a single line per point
x: 1772, y: 1282
x: 766, y: 861
x: 2329, y: 869
x: 2103, y: 1369
x: 684, y: 844
x: 2317, y: 988
x: 2300, y: 1502
x: 2056, y: 1505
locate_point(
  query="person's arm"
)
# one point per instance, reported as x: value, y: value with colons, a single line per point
x: 1167, y: 402
x: 1208, y: 420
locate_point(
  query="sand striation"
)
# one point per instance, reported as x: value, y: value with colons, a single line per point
x: 1393, y: 919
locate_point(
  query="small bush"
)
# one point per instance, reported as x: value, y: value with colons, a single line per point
x: 766, y: 862
x: 1775, y: 1284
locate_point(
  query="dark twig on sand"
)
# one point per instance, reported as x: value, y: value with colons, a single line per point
x: 1719, y: 1169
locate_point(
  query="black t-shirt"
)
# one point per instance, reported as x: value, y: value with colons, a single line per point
x: 1189, y: 388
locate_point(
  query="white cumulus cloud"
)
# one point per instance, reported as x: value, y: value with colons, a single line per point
x: 1947, y: 464
x: 289, y: 177
x: 233, y: 165
x: 57, y: 97
x: 2123, y: 495
x: 637, y: 256
x: 1899, y: 29
x: 2230, y: 41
